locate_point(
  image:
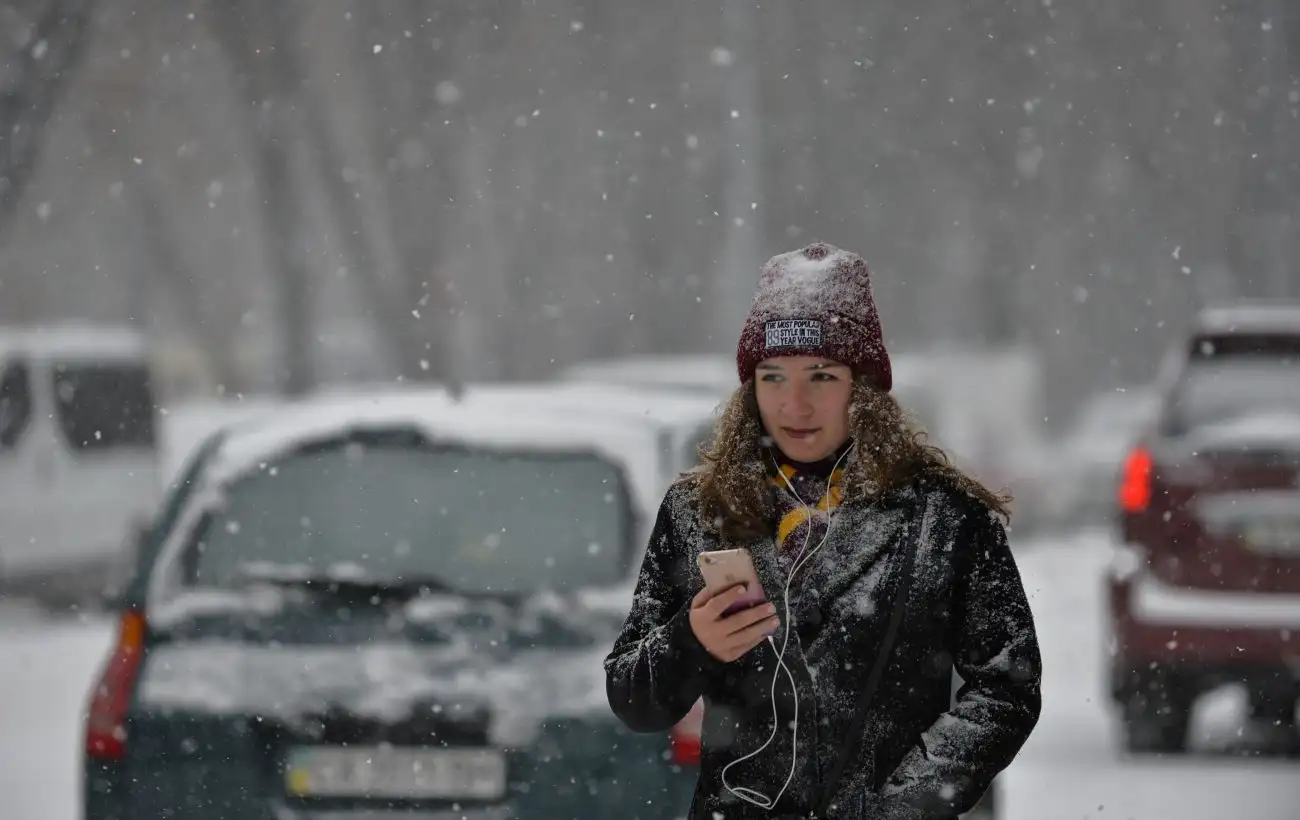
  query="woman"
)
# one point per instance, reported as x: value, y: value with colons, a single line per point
x: 884, y: 567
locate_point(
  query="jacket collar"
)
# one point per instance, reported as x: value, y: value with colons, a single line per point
x: 862, y: 535
x: 821, y: 469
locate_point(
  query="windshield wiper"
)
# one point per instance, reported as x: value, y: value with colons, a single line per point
x: 349, y: 585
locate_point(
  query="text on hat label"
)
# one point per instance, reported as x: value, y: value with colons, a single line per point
x: 793, y: 333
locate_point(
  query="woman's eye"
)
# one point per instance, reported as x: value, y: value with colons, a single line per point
x: 770, y: 377
x: 824, y: 377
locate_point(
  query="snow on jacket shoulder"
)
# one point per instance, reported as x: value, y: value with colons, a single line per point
x: 923, y: 753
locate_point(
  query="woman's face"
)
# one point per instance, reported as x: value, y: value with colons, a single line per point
x: 804, y: 404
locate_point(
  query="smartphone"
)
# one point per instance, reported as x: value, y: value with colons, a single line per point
x: 723, y: 569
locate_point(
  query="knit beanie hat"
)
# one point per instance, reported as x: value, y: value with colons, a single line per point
x: 816, y: 302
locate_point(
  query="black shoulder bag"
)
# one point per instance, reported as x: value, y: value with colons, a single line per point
x: 850, y: 752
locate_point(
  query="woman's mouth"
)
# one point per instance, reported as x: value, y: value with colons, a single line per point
x: 800, y: 432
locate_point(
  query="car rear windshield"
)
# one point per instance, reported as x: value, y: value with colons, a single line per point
x: 1227, y: 381
x: 104, y: 406
x: 479, y: 520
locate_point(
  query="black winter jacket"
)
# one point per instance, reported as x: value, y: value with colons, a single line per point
x: 924, y: 754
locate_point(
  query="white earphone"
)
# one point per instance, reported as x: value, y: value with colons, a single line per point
x: 749, y: 795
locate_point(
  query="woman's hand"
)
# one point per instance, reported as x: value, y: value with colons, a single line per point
x: 728, y: 638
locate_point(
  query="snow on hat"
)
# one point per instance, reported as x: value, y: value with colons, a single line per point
x: 816, y: 301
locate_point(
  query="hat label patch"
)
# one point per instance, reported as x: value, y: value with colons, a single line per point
x: 787, y: 333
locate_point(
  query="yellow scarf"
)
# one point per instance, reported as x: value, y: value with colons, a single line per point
x: 794, y: 519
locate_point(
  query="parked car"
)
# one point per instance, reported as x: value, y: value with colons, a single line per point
x: 1205, y: 589
x: 364, y: 605
x: 1077, y: 474
x: 78, y: 456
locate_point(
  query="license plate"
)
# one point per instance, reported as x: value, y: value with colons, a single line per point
x: 396, y: 772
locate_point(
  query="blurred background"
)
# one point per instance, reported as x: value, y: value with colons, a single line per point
x: 295, y: 193
x: 211, y: 209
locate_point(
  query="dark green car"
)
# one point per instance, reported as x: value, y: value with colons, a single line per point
x: 343, y: 618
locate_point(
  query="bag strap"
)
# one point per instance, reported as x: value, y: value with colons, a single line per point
x: 849, y: 753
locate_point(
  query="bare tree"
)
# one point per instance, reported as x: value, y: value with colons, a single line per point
x: 528, y: 184
x: 48, y: 40
x: 255, y: 38
x: 413, y: 149
x: 335, y: 166
x: 171, y: 273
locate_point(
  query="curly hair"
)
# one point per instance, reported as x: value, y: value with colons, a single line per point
x: 891, y: 451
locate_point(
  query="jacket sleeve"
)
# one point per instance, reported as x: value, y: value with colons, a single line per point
x: 995, y: 650
x: 657, y: 668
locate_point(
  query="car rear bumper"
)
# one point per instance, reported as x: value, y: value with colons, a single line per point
x: 280, y: 812
x: 493, y: 813
x: 576, y: 775
x: 1154, y: 624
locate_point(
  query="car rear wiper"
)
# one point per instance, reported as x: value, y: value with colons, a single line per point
x: 347, y: 585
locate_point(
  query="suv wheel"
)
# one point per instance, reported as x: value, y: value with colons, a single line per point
x: 1156, y: 725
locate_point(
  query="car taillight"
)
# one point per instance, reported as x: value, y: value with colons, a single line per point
x: 1135, y: 481
x: 111, y: 697
x: 685, y: 737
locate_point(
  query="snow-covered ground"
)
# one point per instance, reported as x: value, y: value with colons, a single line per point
x: 45, y: 672
x: 1068, y: 771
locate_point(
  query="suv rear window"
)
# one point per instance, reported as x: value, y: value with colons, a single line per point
x: 15, y: 403
x: 1230, y: 377
x: 1238, y: 345
x: 104, y: 406
x: 479, y: 520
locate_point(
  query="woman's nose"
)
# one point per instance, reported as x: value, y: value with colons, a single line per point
x: 798, y: 402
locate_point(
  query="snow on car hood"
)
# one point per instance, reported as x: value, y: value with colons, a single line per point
x: 388, y: 677
x: 383, y: 681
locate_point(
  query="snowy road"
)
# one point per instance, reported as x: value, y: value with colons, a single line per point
x: 45, y: 673
x: 1068, y: 771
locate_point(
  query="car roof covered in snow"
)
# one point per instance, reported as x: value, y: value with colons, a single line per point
x: 678, y: 415
x: 73, y: 341
x: 244, y: 446
x: 662, y: 405
x: 1250, y: 317
x: 249, y: 443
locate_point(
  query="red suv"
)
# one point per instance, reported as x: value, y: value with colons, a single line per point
x: 1205, y: 588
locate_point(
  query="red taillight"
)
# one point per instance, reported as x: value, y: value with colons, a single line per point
x: 1135, y: 481
x: 109, y: 701
x: 685, y: 737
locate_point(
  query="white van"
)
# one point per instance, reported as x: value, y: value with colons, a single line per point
x: 78, y: 453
